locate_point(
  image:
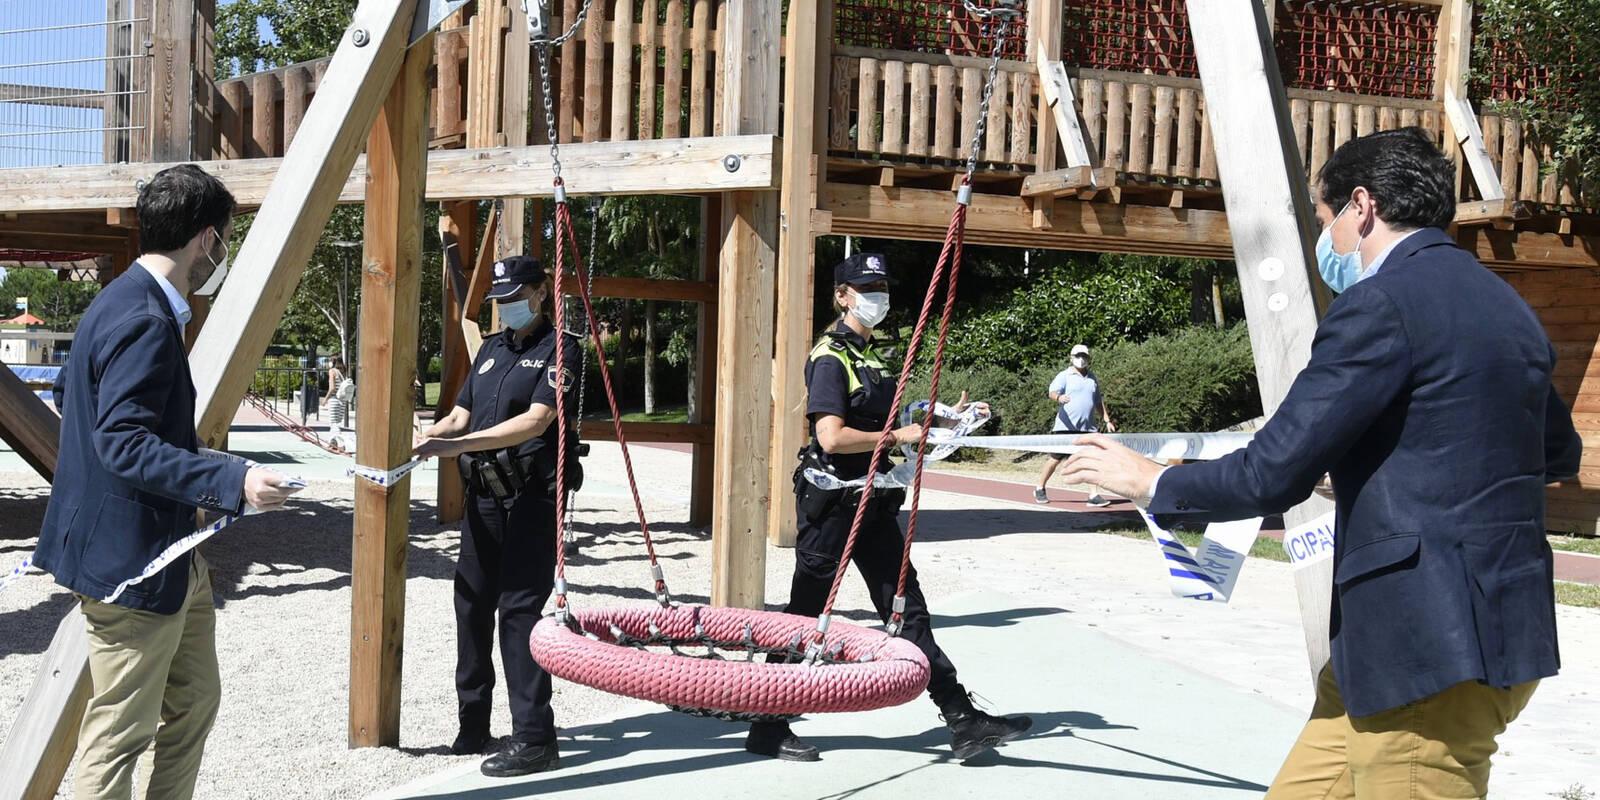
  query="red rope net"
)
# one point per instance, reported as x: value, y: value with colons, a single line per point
x: 1129, y: 36
x: 923, y: 26
x: 1382, y: 48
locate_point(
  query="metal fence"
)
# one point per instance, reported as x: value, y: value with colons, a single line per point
x: 292, y: 391
x: 74, y: 81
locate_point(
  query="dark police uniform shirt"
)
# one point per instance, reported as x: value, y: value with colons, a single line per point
x: 864, y: 404
x: 509, y: 376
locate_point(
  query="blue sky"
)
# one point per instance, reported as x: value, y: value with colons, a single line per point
x: 26, y: 131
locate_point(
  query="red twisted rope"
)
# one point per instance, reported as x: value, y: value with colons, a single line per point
x: 564, y: 236
x: 953, y: 238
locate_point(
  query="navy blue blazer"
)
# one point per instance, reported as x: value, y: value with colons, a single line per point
x: 1428, y: 399
x: 128, y: 478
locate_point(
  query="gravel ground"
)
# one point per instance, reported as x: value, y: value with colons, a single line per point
x: 283, y: 590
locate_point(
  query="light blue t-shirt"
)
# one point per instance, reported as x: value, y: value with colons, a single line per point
x: 1083, y: 391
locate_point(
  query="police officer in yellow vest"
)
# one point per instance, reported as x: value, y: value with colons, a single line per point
x: 851, y: 394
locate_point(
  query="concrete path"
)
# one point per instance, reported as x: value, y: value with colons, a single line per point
x: 1109, y: 722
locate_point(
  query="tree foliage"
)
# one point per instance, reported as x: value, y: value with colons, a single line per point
x: 301, y: 30
x: 1561, y: 40
x: 59, y: 303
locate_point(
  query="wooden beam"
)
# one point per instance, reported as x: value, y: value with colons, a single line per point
x: 514, y: 77
x: 1044, y: 46
x: 1513, y: 249
x: 748, y: 76
x: 40, y: 744
x: 658, y: 432
x: 295, y: 209
x: 1068, y: 180
x: 454, y: 360
x: 478, y: 285
x: 1269, y: 208
x: 1452, y: 54
x: 1481, y: 212
x: 661, y: 166
x: 670, y: 289
x: 391, y: 285
x: 28, y: 425
x: 804, y: 150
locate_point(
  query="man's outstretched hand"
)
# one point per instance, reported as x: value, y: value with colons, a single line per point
x: 1112, y: 467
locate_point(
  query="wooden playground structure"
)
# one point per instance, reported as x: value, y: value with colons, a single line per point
x: 1147, y: 126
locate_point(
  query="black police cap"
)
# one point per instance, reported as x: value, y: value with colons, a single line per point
x: 862, y: 268
x: 511, y: 274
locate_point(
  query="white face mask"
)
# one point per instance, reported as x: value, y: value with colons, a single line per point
x: 219, y: 272
x: 870, y: 308
x: 1081, y: 362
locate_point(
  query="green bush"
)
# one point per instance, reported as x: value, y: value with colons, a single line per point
x: 1195, y: 379
x: 1095, y: 304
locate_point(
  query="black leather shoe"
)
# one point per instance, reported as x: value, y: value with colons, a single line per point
x: 775, y: 740
x: 470, y: 742
x: 521, y: 758
x: 972, y: 731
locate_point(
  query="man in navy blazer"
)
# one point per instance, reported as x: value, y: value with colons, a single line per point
x: 128, y: 481
x: 1428, y: 400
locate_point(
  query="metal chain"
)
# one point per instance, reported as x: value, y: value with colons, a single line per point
x: 543, y: 45
x: 1004, y: 14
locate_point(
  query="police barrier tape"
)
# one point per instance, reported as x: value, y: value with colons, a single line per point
x: 1311, y: 543
x: 1210, y: 572
x: 384, y: 478
x: 177, y: 548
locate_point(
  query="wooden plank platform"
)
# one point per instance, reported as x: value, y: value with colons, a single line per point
x: 662, y: 166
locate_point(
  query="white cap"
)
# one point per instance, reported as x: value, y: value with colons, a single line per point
x: 1080, y: 348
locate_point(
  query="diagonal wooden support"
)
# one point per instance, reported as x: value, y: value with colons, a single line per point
x: 38, y: 750
x: 1056, y: 90
x: 28, y: 425
x: 296, y: 209
x: 1464, y: 125
x: 478, y: 285
x: 1271, y: 219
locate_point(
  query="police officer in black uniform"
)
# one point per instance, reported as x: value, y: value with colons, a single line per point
x: 851, y: 394
x: 503, y: 433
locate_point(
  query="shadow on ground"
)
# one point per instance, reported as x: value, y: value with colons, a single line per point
x: 598, y: 746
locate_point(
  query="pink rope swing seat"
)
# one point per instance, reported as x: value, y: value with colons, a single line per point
x: 674, y: 654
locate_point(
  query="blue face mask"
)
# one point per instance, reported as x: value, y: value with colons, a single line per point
x: 516, y: 315
x: 1339, y: 270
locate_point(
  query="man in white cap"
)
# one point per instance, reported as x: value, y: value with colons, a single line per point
x: 1076, y: 393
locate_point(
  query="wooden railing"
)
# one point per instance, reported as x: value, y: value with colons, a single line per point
x: 907, y: 107
x: 666, y: 86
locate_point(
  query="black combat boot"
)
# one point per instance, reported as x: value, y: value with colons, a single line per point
x: 775, y: 740
x: 972, y: 731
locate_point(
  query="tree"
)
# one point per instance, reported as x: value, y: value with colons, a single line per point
x: 59, y: 303
x: 302, y: 30
x: 1557, y: 44
x: 657, y: 234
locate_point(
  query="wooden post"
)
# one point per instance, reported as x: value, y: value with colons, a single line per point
x: 295, y: 210
x: 454, y: 361
x: 172, y: 81
x: 514, y: 123
x: 703, y: 481
x: 1452, y: 54
x: 1044, y: 48
x: 748, y: 72
x: 391, y: 286
x: 807, y: 71
x: 1271, y: 220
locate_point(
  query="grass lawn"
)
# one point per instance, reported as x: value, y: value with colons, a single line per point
x: 662, y: 414
x: 1270, y: 549
x: 1576, y: 544
x: 1567, y: 593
